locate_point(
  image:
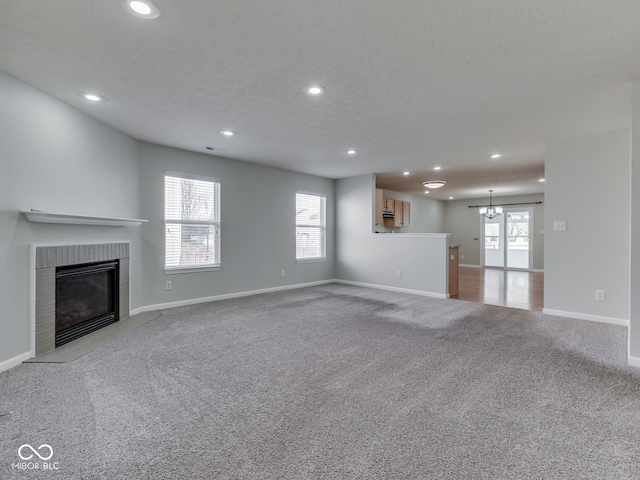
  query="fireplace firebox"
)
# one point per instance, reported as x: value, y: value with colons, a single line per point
x: 86, y: 299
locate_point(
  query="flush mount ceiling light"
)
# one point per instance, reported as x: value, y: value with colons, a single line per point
x: 314, y: 90
x: 434, y: 184
x: 143, y: 9
x: 227, y: 133
x: 496, y: 155
x: 490, y: 211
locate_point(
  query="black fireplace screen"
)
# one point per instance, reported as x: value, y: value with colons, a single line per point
x: 86, y: 299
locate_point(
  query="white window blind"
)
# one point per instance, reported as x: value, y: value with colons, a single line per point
x: 311, y: 226
x: 192, y: 221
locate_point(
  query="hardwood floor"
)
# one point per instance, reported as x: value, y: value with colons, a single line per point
x: 507, y: 288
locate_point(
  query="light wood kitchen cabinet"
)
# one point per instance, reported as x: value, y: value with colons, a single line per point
x: 379, y: 206
x: 401, y: 211
x: 397, y: 220
x: 389, y: 205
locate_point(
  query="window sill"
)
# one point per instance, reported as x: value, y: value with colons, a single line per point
x: 178, y: 270
x: 311, y: 260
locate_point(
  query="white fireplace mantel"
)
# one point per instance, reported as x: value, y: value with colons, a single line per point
x: 73, y: 219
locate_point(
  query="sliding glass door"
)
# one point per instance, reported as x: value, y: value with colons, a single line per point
x: 494, y: 241
x: 518, y: 239
x: 507, y: 239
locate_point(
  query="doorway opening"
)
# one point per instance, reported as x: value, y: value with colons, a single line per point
x: 507, y: 240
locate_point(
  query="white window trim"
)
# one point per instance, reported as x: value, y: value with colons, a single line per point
x: 173, y: 270
x: 311, y: 260
x: 191, y: 269
x: 323, y: 229
x: 190, y: 176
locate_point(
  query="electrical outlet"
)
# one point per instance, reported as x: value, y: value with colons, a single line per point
x: 283, y: 273
x: 168, y: 285
x: 399, y: 274
x: 599, y: 294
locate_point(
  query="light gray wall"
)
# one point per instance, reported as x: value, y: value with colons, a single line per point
x: 634, y: 315
x: 588, y: 187
x: 370, y: 258
x: 57, y: 159
x: 464, y: 224
x: 257, y: 227
x: 426, y: 214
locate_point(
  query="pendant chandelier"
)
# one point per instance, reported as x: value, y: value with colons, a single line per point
x: 490, y: 211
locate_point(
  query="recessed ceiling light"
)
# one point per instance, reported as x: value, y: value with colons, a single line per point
x: 496, y: 155
x: 541, y: 180
x: 450, y: 198
x: 227, y: 133
x: 140, y: 7
x: 352, y: 151
x: 314, y: 90
x: 437, y: 168
x: 143, y: 9
x: 406, y: 173
x: 92, y: 97
x: 434, y: 184
x: 427, y: 192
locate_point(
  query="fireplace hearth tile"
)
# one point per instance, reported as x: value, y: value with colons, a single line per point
x: 87, y: 344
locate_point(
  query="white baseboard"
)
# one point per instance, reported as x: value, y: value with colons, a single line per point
x: 15, y: 361
x: 195, y: 301
x: 394, y: 289
x: 584, y: 316
x: 633, y: 361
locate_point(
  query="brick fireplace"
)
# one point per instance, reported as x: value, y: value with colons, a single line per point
x: 52, y: 258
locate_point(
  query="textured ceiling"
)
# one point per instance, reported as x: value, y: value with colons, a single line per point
x: 409, y: 84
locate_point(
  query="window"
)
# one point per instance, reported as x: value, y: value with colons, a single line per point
x: 192, y: 221
x: 492, y: 236
x: 311, y: 226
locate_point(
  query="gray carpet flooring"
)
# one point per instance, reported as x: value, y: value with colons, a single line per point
x: 334, y: 382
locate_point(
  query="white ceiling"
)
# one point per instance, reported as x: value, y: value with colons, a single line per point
x: 410, y: 84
